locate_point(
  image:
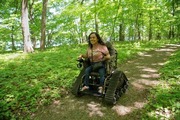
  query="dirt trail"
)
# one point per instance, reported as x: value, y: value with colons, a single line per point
x: 142, y: 72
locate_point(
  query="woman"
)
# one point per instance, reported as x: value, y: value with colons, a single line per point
x: 96, y: 52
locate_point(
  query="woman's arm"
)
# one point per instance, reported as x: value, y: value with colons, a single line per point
x: 83, y: 56
x: 106, y: 54
x: 106, y: 57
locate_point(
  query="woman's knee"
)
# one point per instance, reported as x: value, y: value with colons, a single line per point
x: 102, y: 72
x: 88, y: 70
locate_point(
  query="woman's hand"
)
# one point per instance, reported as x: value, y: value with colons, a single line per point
x: 106, y: 57
x: 80, y: 56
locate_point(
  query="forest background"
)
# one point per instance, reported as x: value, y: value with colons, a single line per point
x: 31, y: 80
x: 29, y: 24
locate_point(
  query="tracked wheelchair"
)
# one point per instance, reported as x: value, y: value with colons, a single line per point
x: 115, y: 83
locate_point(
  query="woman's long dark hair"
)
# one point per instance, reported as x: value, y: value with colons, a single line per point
x: 98, y: 37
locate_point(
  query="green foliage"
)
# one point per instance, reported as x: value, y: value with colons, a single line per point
x: 69, y: 21
x: 29, y: 81
x: 2, y: 46
x: 127, y: 50
x: 164, y: 102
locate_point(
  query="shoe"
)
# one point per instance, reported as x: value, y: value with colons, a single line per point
x: 85, y: 88
x: 100, y: 90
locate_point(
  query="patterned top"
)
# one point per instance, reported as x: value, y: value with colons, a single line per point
x: 97, y: 53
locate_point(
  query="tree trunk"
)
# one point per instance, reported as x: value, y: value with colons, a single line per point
x: 173, y: 13
x: 177, y: 2
x: 33, y: 39
x: 121, y: 25
x: 95, y: 18
x: 49, y: 38
x: 121, y: 32
x: 25, y: 28
x: 43, y: 25
x: 158, y: 37
x: 12, y: 39
x: 81, y: 29
x: 150, y: 27
x: 114, y: 22
x: 178, y: 32
x: 16, y: 3
x: 81, y: 26
x: 31, y: 20
x: 138, y: 32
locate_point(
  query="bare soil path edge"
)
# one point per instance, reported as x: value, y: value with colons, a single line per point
x: 142, y: 72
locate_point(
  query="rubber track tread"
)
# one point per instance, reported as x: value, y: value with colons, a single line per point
x: 78, y: 82
x: 113, y: 82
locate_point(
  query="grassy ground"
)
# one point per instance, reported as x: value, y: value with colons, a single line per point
x: 165, y: 98
x: 143, y: 74
x: 29, y: 81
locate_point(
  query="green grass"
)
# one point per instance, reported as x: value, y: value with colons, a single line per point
x: 165, y: 99
x: 28, y: 81
x: 127, y: 50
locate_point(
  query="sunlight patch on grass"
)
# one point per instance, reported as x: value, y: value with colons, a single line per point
x: 148, y: 82
x: 164, y: 86
x: 145, y: 55
x: 139, y: 105
x: 160, y: 63
x: 7, y: 57
x: 137, y: 45
x: 162, y: 113
x: 149, y: 70
x: 154, y: 75
x: 95, y: 109
x: 123, y: 110
x: 139, y: 86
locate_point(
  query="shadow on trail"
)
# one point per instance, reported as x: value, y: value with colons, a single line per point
x: 142, y: 73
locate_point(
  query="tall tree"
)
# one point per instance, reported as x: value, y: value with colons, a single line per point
x: 31, y: 20
x: 95, y: 18
x: 81, y: 25
x: 150, y: 27
x: 25, y: 28
x: 121, y: 24
x: 43, y: 25
x: 16, y: 6
x: 114, y: 21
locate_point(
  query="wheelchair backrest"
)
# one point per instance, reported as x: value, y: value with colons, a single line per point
x: 111, y: 49
x: 112, y: 63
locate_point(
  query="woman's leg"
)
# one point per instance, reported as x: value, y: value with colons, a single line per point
x: 87, y: 73
x: 102, y: 75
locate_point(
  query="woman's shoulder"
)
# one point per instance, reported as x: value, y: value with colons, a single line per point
x: 103, y: 46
